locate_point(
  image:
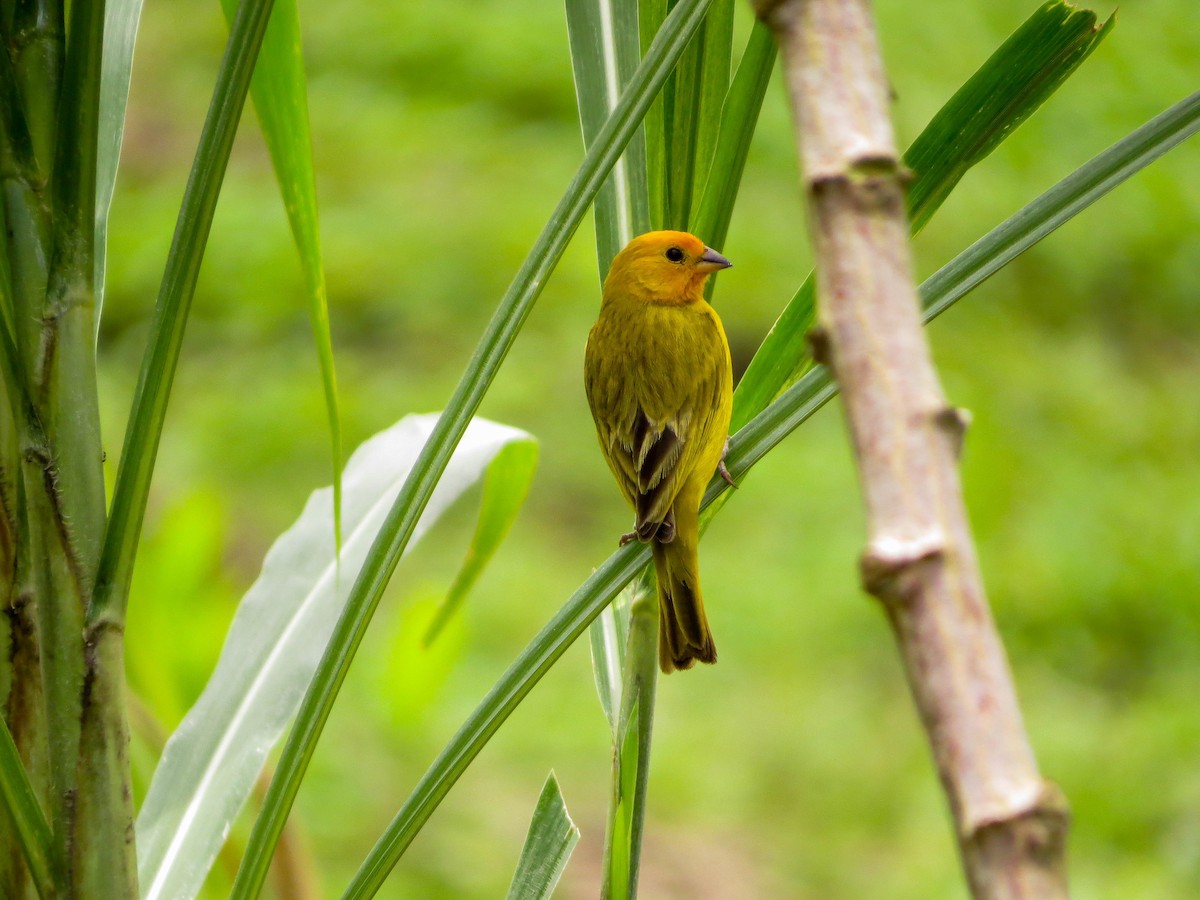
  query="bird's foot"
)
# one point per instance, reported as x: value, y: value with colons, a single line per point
x: 626, y: 538
x: 666, y: 531
x: 721, y: 470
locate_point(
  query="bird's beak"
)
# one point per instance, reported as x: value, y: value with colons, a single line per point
x: 711, y: 261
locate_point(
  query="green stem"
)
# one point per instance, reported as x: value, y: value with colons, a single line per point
x: 103, y: 861
x: 68, y: 374
x: 627, y: 811
x: 37, y: 45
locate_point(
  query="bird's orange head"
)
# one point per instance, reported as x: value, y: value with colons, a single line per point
x: 662, y: 267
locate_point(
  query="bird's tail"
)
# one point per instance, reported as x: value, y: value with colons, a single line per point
x: 683, y: 634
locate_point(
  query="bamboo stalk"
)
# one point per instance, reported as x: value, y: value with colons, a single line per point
x: 919, y: 561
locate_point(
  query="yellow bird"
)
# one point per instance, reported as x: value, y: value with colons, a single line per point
x: 660, y: 386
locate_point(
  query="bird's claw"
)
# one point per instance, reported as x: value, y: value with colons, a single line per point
x: 626, y: 538
x: 724, y: 472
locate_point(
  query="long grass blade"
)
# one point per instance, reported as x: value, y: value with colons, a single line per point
x: 604, y: 55
x: 493, y: 347
x: 170, y: 314
x: 751, y: 443
x: 651, y: 15
x: 714, y: 86
x: 280, y: 92
x: 739, y: 116
x: 121, y: 20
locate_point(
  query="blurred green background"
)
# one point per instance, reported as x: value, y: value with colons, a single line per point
x: 444, y: 134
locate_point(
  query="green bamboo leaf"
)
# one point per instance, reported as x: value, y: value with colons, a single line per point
x: 498, y: 337
x: 605, y: 52
x: 739, y: 116
x: 280, y: 93
x: 121, y: 19
x: 1005, y: 91
x: 506, y: 485
x: 25, y: 816
x: 170, y: 314
x: 751, y: 443
x: 548, y: 845
x: 213, y: 759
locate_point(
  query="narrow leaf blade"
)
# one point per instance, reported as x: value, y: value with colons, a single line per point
x: 506, y: 485
x: 121, y: 20
x: 548, y: 845
x: 280, y: 93
x: 604, y: 55
x: 738, y: 120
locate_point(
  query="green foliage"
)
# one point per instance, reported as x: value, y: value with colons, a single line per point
x: 437, y: 155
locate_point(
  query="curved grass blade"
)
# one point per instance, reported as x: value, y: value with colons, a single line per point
x: 280, y: 93
x: 211, y: 762
x: 144, y: 431
x: 493, y: 346
x: 1007, y: 89
x: 749, y: 445
x: 506, y: 485
x: 548, y: 845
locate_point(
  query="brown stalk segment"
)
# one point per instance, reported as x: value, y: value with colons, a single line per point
x: 920, y: 560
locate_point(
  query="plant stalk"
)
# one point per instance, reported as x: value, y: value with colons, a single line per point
x: 920, y: 561
x: 631, y: 747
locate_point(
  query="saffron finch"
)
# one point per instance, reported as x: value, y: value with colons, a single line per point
x: 660, y: 387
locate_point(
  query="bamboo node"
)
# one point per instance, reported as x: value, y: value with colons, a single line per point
x: 1037, y: 833
x: 953, y: 422
x: 888, y: 560
x: 867, y: 185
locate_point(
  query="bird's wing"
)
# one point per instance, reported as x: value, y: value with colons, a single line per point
x: 653, y: 430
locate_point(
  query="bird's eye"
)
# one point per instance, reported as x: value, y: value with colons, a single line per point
x: 674, y: 254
